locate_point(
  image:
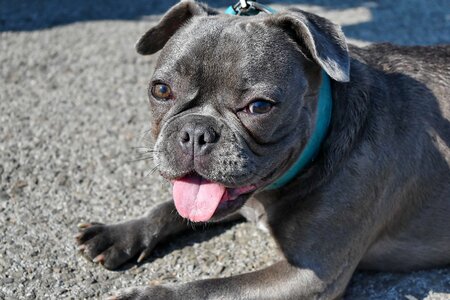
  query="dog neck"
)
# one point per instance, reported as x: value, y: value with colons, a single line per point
x: 323, y: 119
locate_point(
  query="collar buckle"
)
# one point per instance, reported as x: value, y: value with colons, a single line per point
x: 249, y: 8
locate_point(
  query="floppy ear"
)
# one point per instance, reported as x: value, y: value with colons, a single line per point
x: 323, y: 41
x: 155, y: 39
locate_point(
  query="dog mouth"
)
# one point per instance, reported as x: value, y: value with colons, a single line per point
x: 199, y: 199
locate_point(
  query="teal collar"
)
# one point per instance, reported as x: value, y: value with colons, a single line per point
x: 324, y: 108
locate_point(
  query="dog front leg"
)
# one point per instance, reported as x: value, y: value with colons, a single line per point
x: 279, y: 281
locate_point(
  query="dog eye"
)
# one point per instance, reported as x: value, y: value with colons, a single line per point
x: 259, y: 107
x: 161, y: 91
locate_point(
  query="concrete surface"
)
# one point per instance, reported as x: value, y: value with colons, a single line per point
x: 72, y: 107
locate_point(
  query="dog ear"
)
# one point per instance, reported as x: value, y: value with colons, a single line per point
x: 155, y: 39
x: 322, y: 40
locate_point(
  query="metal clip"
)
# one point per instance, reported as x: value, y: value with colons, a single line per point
x: 244, y: 4
x: 247, y: 8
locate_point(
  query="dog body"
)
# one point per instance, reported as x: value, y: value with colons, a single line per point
x: 234, y: 102
x: 412, y: 122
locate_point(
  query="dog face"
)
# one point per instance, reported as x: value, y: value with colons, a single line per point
x: 233, y: 100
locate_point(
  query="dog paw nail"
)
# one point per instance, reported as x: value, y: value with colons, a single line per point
x: 99, y: 258
x: 83, y: 225
x: 143, y: 255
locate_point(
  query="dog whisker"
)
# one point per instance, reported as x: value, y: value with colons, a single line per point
x: 140, y: 159
x: 152, y: 171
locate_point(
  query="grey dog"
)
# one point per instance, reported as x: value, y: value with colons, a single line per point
x: 234, y: 102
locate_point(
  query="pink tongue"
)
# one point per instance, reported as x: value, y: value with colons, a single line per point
x: 197, y: 198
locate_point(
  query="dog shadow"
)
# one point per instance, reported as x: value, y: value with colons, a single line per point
x: 393, y: 286
x: 196, y: 235
x: 391, y: 21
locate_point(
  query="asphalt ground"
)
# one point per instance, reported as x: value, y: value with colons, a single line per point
x: 72, y: 110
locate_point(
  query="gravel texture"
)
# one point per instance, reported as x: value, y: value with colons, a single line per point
x: 72, y: 107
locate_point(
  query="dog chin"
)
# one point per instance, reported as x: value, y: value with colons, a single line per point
x: 226, y: 208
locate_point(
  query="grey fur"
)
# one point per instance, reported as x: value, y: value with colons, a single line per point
x: 376, y: 197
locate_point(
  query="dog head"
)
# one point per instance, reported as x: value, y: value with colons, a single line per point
x: 234, y: 99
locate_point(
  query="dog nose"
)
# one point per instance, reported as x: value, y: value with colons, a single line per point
x: 197, y: 139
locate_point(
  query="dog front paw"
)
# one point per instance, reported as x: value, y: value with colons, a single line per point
x: 159, y: 292
x: 113, y: 245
